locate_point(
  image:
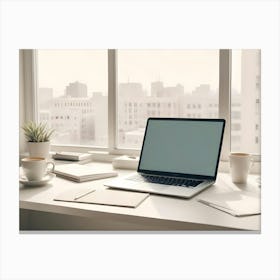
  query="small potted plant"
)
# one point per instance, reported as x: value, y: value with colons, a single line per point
x: 38, y: 138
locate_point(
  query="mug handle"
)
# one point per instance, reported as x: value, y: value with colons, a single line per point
x: 52, y: 168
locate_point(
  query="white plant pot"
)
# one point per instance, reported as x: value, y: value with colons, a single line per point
x: 39, y: 149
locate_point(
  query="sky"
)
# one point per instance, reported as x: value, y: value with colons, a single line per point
x: 57, y: 68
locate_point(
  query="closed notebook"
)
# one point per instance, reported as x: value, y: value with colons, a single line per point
x: 81, y: 173
x: 234, y: 203
x: 73, y: 156
x: 104, y: 197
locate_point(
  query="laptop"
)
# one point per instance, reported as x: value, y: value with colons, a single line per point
x: 179, y: 157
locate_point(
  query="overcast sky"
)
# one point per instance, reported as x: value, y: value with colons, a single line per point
x: 57, y: 68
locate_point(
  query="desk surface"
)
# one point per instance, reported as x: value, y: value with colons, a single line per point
x: 164, y: 213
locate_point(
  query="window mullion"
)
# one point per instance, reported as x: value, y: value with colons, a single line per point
x: 112, y: 100
x: 30, y: 84
x: 225, y: 98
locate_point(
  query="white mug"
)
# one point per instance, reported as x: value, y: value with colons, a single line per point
x: 35, y: 168
x: 240, y: 164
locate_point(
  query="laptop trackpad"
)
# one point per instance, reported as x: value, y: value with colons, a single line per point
x: 122, y: 183
x: 152, y: 186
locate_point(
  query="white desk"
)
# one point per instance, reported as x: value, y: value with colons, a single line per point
x: 38, y: 210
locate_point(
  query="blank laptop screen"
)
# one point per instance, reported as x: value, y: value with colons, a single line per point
x: 182, y: 146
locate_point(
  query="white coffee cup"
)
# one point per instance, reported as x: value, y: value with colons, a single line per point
x: 35, y: 168
x: 240, y: 164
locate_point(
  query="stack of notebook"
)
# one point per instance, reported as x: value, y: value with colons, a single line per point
x: 82, y: 173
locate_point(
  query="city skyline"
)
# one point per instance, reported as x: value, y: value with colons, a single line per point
x: 82, y: 119
x: 147, y: 92
x: 80, y: 114
x: 144, y: 66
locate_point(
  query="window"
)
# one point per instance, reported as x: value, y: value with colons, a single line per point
x: 179, y: 81
x: 245, y: 109
x: 74, y: 98
x: 235, y: 126
x: 70, y: 81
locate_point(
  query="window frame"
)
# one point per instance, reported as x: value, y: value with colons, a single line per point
x: 31, y: 111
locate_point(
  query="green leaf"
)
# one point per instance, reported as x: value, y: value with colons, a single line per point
x: 37, y: 132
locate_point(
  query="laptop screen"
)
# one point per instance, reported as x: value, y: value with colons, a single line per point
x: 182, y: 146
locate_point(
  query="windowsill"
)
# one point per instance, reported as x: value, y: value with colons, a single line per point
x: 103, y: 156
x: 223, y: 166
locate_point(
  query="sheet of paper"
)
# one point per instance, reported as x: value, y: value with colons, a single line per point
x: 104, y: 197
x: 234, y: 203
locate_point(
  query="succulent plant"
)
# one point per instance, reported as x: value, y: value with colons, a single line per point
x: 37, y: 132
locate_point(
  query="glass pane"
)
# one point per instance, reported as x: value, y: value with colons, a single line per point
x: 72, y: 95
x: 246, y: 101
x: 164, y: 83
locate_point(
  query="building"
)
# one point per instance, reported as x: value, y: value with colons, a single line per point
x: 251, y: 99
x: 158, y: 90
x: 133, y: 112
x: 79, y: 120
x: 162, y: 102
x: 236, y: 121
x: 67, y: 124
x: 76, y: 89
x: 131, y: 90
x: 45, y: 97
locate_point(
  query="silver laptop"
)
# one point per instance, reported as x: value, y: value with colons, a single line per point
x: 179, y: 157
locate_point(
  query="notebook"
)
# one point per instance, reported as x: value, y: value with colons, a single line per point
x: 73, y: 156
x: 82, y: 173
x: 234, y: 203
x: 103, y: 196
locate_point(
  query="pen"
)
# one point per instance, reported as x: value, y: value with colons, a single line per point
x: 82, y: 195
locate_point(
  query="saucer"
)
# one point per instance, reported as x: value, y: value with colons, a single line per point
x: 43, y: 181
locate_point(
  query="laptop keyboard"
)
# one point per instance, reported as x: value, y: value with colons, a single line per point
x: 180, y: 182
